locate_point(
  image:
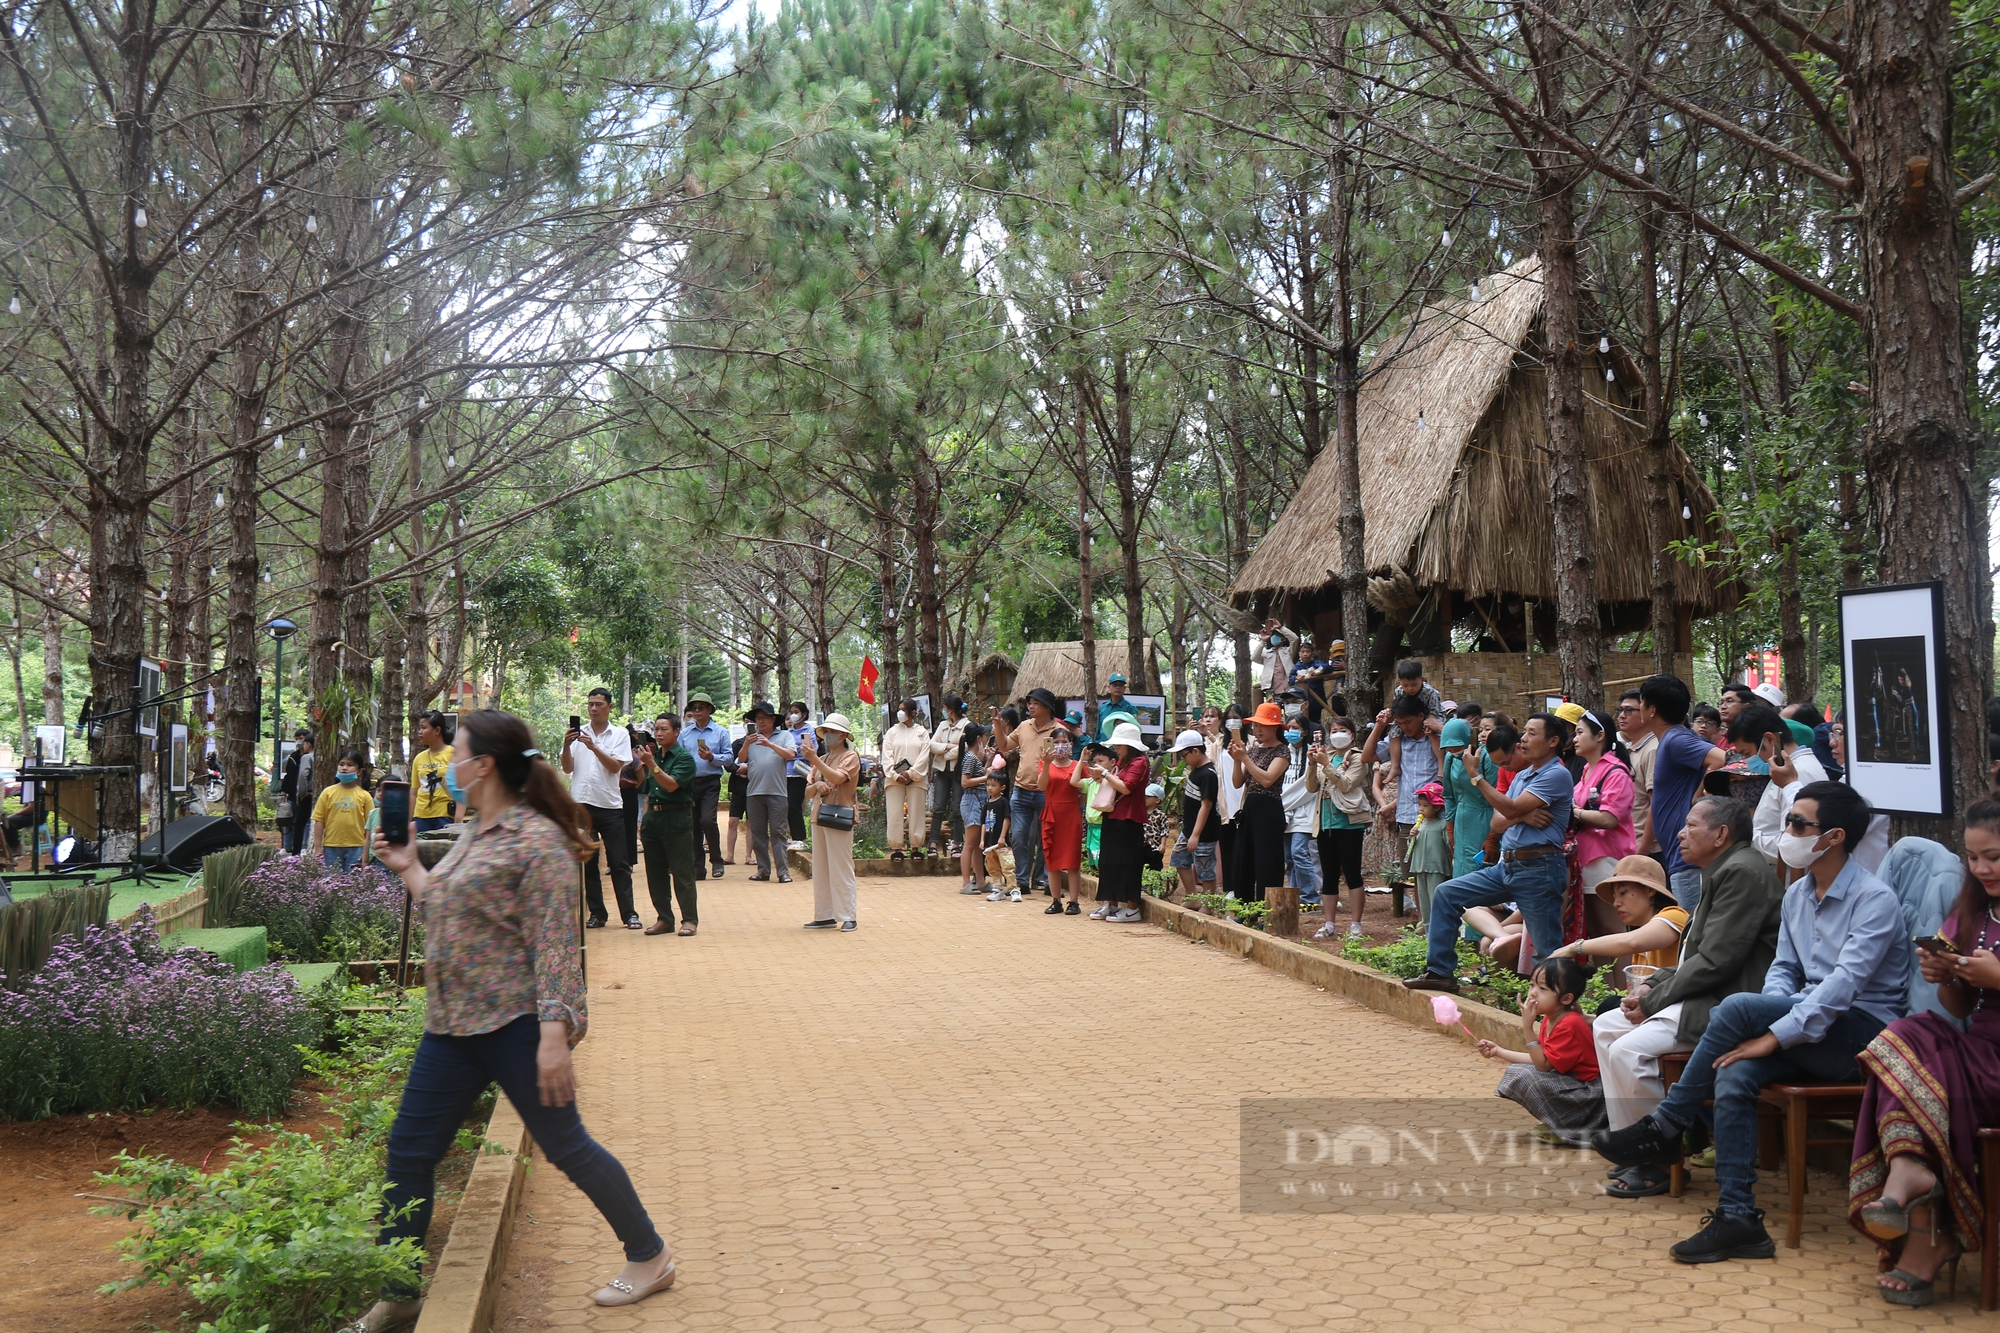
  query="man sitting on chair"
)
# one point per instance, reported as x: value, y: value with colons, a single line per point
x: 1841, y: 976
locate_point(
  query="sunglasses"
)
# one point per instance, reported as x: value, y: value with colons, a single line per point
x: 1799, y: 823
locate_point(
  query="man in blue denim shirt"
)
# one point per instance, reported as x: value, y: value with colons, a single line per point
x: 1532, y: 871
x: 1842, y: 974
x: 701, y: 732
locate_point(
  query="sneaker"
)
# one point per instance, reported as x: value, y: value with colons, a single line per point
x: 1014, y: 897
x: 1431, y: 981
x: 1103, y: 911
x: 827, y: 924
x: 1126, y: 914
x: 971, y: 890
x: 997, y: 896
x: 1727, y: 1236
x: 1642, y: 1143
x: 1072, y: 909
x: 1354, y: 931
x: 795, y: 846
x: 849, y: 925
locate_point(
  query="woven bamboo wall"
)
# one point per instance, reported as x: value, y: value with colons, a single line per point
x: 1517, y: 685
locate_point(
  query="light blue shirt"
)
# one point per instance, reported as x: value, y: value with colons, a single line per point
x: 1845, y: 951
x: 717, y: 737
x: 799, y: 767
x: 1553, y: 784
x: 1419, y: 767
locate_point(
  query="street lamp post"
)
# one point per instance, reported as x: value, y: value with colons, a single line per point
x: 279, y: 629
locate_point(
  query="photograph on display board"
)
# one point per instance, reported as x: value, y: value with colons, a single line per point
x: 177, y: 759
x: 1150, y: 710
x: 148, y: 685
x: 52, y: 740
x: 1892, y: 703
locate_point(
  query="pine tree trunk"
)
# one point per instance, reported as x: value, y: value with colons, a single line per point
x: 1086, y: 617
x: 1128, y: 528
x: 1346, y: 432
x: 930, y: 611
x: 1662, y: 616
x: 892, y: 609
x: 1921, y: 442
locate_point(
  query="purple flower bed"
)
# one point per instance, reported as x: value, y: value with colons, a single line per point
x: 114, y: 1022
x: 316, y: 915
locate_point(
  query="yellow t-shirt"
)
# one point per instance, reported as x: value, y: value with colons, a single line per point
x: 1671, y: 955
x: 344, y: 811
x: 429, y: 800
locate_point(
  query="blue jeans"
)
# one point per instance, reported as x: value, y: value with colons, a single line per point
x: 430, y: 825
x: 1735, y: 1087
x: 1536, y: 887
x: 340, y: 858
x: 1024, y: 832
x: 1302, y: 864
x: 1686, y: 885
x: 446, y: 1077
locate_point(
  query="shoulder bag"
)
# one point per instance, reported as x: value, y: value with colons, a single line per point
x: 839, y: 817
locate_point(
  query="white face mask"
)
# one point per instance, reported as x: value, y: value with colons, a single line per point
x: 1340, y: 740
x: 902, y: 716
x: 796, y: 719
x: 1797, y: 851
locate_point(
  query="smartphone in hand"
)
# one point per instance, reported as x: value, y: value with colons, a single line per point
x: 575, y: 722
x: 394, y: 802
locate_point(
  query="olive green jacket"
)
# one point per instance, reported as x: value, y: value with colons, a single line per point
x: 1730, y: 942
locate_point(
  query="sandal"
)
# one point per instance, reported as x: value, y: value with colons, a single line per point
x: 896, y: 856
x: 687, y: 928
x: 620, y: 1292
x: 1921, y: 1291
x: 1885, y: 1219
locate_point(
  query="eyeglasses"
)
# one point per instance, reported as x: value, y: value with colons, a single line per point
x: 1797, y: 822
x: 1627, y: 708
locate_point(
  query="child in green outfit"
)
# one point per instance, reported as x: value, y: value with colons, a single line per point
x: 1430, y: 859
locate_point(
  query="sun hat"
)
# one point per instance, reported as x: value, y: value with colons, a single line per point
x: 1127, y: 733
x: 1268, y: 714
x: 1571, y: 713
x: 1432, y: 792
x: 1457, y: 732
x: 836, y: 722
x: 1642, y: 871
x: 1190, y: 740
x: 700, y: 698
x: 1046, y: 700
x: 1154, y: 789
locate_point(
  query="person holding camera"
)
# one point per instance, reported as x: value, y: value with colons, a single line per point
x: 593, y: 756
x: 430, y: 804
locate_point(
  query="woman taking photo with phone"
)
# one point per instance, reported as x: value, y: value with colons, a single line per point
x: 831, y: 792
x: 504, y: 1002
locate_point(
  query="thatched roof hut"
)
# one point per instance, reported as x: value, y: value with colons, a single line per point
x: 1454, y: 481
x: 1058, y: 668
x: 987, y: 683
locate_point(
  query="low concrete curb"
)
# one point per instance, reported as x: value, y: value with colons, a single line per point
x: 466, y: 1286
x: 914, y: 868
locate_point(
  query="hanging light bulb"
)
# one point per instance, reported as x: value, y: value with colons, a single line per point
x: 385, y: 356
x: 451, y: 460
x: 1704, y: 419
x: 38, y: 573
x: 312, y: 224
x: 278, y: 440
x: 1639, y: 165
x: 1274, y: 388
x: 218, y: 499
x: 1603, y: 342
x: 1686, y: 512
x: 1420, y: 420
x: 1608, y: 375
x: 267, y: 576
x: 1475, y: 293
x: 302, y: 453
x: 1447, y: 238
x: 211, y: 571
x: 14, y: 306
x: 139, y: 217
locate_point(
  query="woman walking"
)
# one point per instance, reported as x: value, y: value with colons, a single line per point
x: 505, y: 1002
x: 832, y: 789
x: 1260, y: 826
x: 1122, y: 844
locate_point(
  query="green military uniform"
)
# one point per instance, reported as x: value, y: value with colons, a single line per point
x: 666, y: 832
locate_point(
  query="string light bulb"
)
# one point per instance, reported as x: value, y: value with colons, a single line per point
x: 14, y: 306
x: 139, y: 217
x: 1420, y: 420
x: 1447, y: 238
x: 1609, y: 376
x: 302, y: 453
x: 1475, y: 293
x: 218, y: 499
x: 312, y: 224
x: 1603, y: 342
x: 1686, y: 512
x: 451, y: 460
x: 1274, y: 388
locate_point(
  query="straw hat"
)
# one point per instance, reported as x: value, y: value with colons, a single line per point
x: 836, y: 722
x: 1268, y: 714
x: 1642, y: 871
x: 1127, y: 733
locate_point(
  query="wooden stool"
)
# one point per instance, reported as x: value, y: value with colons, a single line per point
x: 1796, y: 1103
x: 1989, y: 1241
x: 1672, y: 1065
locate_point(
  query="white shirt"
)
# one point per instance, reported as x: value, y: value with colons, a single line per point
x: 1301, y: 802
x: 590, y: 782
x: 1767, y: 822
x: 1232, y: 795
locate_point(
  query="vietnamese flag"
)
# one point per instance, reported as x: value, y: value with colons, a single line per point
x: 869, y: 675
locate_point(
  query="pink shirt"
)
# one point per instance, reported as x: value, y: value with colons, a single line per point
x: 1613, y: 782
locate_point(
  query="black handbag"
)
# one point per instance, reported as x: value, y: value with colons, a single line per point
x: 839, y: 817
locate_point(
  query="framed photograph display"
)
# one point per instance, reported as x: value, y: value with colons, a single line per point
x: 177, y: 757
x: 1892, y: 672
x: 146, y: 694
x: 1151, y: 710
x: 52, y: 741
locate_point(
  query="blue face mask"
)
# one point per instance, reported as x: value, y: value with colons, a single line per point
x: 451, y: 787
x: 1294, y: 737
x: 348, y: 778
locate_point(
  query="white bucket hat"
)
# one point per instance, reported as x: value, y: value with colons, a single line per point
x: 1127, y: 733
x: 1190, y: 740
x: 836, y: 722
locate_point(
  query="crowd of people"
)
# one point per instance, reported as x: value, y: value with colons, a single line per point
x: 1746, y: 901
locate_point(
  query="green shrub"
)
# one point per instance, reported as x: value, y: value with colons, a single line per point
x: 1482, y: 979
x: 283, y: 1237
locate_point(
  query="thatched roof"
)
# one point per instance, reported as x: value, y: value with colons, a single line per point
x: 970, y: 681
x: 1454, y: 474
x: 1058, y: 668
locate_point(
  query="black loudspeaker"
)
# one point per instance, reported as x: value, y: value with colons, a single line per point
x: 190, y: 839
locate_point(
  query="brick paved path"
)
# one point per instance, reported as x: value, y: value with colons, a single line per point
x: 968, y: 1116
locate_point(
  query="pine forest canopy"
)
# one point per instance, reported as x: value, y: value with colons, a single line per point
x: 531, y: 342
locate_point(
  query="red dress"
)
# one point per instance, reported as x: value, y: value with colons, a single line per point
x: 1062, y: 821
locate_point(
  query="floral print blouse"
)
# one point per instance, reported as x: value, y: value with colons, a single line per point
x: 501, y: 937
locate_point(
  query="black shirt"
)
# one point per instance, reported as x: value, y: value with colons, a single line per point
x: 1202, y: 785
